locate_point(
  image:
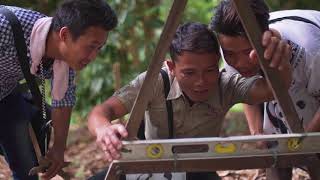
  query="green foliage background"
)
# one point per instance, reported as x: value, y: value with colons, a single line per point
x: 132, y: 43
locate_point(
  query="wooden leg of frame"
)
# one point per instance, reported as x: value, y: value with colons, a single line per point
x: 314, y: 172
x: 279, y: 173
x: 113, y: 173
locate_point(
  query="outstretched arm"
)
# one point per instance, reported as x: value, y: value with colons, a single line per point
x: 107, y: 134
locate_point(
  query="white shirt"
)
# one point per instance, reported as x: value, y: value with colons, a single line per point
x: 304, y: 90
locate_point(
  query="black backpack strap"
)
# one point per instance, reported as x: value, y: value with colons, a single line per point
x: 295, y: 18
x: 21, y: 47
x: 166, y: 85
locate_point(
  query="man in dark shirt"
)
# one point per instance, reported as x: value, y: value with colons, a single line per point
x: 67, y: 42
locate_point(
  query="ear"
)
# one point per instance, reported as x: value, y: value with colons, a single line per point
x: 253, y: 57
x: 64, y: 34
x: 171, y: 66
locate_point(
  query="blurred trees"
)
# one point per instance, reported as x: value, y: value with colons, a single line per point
x: 44, y: 6
x: 294, y: 4
x: 133, y: 42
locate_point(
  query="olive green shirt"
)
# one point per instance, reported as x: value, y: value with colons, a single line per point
x: 199, y: 120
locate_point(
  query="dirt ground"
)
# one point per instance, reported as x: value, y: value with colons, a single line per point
x: 87, y: 159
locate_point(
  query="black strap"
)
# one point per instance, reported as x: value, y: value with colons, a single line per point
x: 166, y: 85
x: 295, y: 18
x: 21, y: 48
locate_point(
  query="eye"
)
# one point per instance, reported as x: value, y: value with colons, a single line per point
x: 188, y: 73
x: 248, y: 51
x: 211, y: 70
x: 227, y: 53
x: 90, y: 48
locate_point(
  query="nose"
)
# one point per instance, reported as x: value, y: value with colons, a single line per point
x: 200, y: 80
x: 240, y: 63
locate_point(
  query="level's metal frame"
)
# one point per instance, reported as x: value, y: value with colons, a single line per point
x: 217, y: 147
x: 279, y: 156
x: 211, y: 154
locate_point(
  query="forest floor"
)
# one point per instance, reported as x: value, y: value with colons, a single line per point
x: 87, y: 159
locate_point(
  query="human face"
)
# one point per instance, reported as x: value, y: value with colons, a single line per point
x: 80, y: 52
x: 196, y: 73
x: 236, y: 51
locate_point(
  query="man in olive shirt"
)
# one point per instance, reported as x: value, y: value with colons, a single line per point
x: 199, y: 115
x: 200, y: 95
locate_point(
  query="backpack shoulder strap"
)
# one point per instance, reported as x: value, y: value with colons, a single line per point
x: 166, y: 85
x: 295, y: 18
x: 21, y: 48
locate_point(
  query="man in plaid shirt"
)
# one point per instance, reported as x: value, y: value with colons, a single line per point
x: 74, y: 37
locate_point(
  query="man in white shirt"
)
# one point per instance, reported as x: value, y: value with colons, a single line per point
x: 301, y: 29
x: 305, y: 91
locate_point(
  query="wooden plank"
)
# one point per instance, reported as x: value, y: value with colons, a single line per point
x: 113, y: 173
x: 208, y: 164
x: 166, y: 37
x: 272, y: 75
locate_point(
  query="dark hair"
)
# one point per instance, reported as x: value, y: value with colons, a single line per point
x: 78, y: 15
x: 226, y: 20
x: 193, y: 37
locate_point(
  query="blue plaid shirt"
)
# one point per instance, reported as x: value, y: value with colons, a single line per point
x: 10, y: 71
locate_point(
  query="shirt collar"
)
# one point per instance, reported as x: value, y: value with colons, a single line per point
x: 176, y: 92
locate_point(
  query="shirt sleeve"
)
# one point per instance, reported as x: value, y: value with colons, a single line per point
x: 69, y: 99
x: 313, y: 74
x: 127, y: 94
x: 235, y: 88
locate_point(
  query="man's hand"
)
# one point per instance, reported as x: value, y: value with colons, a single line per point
x: 277, y: 51
x: 60, y: 119
x: 56, y: 157
x: 108, y: 139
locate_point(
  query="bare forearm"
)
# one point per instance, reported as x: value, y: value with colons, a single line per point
x: 314, y: 125
x: 254, y: 118
x: 98, y: 117
x: 61, y: 121
x: 260, y: 92
x: 102, y: 114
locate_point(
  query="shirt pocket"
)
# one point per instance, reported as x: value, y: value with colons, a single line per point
x: 205, y: 123
x: 158, y: 118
